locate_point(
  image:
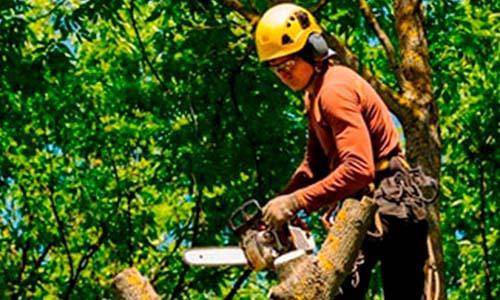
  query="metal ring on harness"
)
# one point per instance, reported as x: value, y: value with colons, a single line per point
x: 423, y: 181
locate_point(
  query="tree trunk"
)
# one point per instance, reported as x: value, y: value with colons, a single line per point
x: 320, y: 277
x: 422, y: 130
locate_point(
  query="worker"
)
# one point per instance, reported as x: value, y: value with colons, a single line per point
x: 351, y: 137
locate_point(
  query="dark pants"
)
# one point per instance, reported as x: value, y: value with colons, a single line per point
x: 402, y: 251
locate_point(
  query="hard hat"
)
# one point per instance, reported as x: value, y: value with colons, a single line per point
x: 284, y: 29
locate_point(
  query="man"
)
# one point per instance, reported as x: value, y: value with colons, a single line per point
x: 351, y: 138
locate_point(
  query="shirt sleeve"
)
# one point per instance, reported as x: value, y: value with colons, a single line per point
x: 341, y: 109
x: 312, y: 167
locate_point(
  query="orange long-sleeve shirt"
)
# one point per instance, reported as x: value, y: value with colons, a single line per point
x: 350, y: 129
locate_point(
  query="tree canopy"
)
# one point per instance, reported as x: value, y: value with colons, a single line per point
x: 130, y: 130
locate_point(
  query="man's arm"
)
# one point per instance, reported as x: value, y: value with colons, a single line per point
x: 312, y: 167
x: 341, y: 108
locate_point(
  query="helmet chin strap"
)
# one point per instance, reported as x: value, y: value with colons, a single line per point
x: 312, y: 79
x: 320, y: 67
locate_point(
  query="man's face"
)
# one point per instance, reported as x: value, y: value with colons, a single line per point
x: 292, y: 70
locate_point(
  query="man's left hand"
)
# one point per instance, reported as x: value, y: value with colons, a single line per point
x: 280, y: 210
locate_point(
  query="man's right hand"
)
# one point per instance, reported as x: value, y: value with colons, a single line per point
x: 280, y: 210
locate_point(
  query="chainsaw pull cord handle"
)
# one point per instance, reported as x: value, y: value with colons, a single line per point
x: 328, y: 216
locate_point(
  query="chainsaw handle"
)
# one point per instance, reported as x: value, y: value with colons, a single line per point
x: 245, y: 216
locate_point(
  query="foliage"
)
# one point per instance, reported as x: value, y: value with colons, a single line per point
x: 107, y: 162
x: 466, y: 53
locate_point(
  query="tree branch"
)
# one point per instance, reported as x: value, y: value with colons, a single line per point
x: 194, y: 239
x: 383, y: 38
x: 131, y: 285
x: 143, y: 49
x: 318, y: 6
x: 164, y: 261
x: 27, y: 245
x: 47, y: 14
x: 251, y: 17
x: 237, y: 285
x: 398, y: 104
x: 42, y: 256
x: 319, y: 276
x: 129, y: 229
x: 250, y: 137
x: 82, y: 264
x: 91, y: 251
x: 24, y: 262
x: 414, y: 52
x: 484, y: 241
x: 60, y: 229
x: 24, y: 285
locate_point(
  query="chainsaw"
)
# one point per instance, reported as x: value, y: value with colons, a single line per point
x: 260, y: 247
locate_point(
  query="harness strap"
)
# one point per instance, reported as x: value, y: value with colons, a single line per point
x: 381, y: 167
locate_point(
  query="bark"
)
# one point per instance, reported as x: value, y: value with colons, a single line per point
x: 131, y: 285
x: 319, y: 277
x: 422, y: 130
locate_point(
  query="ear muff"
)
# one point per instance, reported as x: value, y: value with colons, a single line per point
x: 318, y: 45
x: 315, y: 50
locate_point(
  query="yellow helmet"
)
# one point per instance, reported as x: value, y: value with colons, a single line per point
x: 283, y: 30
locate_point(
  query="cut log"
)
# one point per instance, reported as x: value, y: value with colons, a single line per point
x: 131, y: 285
x: 320, y: 276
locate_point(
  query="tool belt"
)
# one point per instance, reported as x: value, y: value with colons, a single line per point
x: 399, y: 190
x: 404, y: 192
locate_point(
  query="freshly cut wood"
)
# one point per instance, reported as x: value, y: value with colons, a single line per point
x: 320, y: 276
x: 131, y: 285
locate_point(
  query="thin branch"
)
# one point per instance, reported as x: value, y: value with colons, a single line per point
x: 82, y: 264
x: 253, y: 6
x: 24, y: 261
x: 27, y: 245
x: 143, y: 49
x: 42, y: 256
x: 60, y: 229
x: 129, y: 229
x: 194, y: 117
x: 237, y: 285
x: 117, y: 179
x: 47, y: 14
x: 179, y: 287
x: 198, y: 209
x: 194, y: 239
x: 250, y: 137
x: 383, y: 38
x: 25, y: 285
x: 91, y: 251
x: 318, y: 6
x: 251, y: 17
x: 155, y: 274
x: 484, y: 242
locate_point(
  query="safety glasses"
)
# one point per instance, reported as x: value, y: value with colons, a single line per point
x: 284, y: 67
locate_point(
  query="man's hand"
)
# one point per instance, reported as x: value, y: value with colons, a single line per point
x: 280, y: 210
